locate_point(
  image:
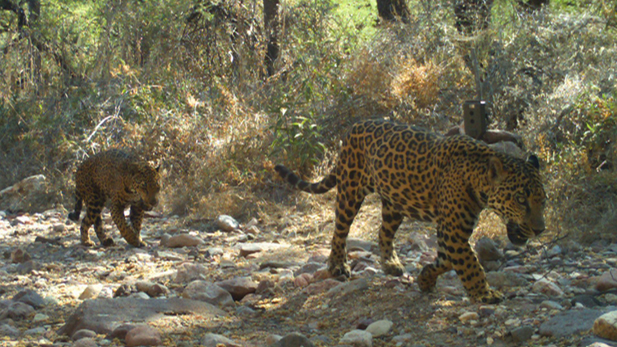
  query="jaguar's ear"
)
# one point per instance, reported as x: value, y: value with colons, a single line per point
x: 533, y: 160
x: 495, y: 170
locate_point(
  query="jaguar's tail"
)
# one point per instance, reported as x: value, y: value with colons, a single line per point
x: 74, y: 216
x: 321, y: 187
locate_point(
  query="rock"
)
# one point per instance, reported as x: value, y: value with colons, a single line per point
x: 212, y: 251
x: 215, y: 340
x: 19, y: 256
x: 83, y: 333
x: 91, y: 291
x: 103, y: 315
x: 154, y: 290
x: 143, y: 335
x: 238, y: 287
x: 208, y: 292
x: 401, y: 339
x: 190, y: 272
x: 468, y: 316
x: 544, y: 286
x: 607, y: 281
x: 380, y: 327
x: 569, y: 323
x: 19, y: 311
x: 357, y: 338
x: 593, y: 341
x: 303, y: 280
x: 183, y: 240
x: 555, y: 251
x: 121, y: 331
x: 551, y: 305
x: 487, y: 250
x: 9, y: 331
x: 294, y: 340
x: 358, y: 244
x: 227, y: 223
x: 309, y: 268
x: 30, y: 297
x: 605, y: 326
x: 58, y: 227
x: 586, y: 300
x: 250, y: 248
x: 85, y: 342
x: 501, y: 279
x: 39, y: 318
x: 321, y: 286
x: 275, y: 264
x: 125, y: 289
x: 28, y: 195
x: 348, y: 287
x: 522, y: 334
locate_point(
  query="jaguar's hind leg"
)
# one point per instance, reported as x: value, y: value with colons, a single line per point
x: 391, y: 221
x: 347, y: 206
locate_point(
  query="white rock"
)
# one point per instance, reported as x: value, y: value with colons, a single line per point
x: 547, y: 287
x: 468, y: 316
x: 91, y: 292
x: 357, y: 338
x: 605, y: 326
x: 380, y: 327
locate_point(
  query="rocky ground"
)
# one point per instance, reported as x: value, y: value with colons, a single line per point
x: 264, y: 284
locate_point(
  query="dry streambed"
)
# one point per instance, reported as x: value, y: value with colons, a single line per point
x: 249, y: 285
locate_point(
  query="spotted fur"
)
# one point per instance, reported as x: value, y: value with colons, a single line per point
x: 427, y: 177
x: 126, y: 181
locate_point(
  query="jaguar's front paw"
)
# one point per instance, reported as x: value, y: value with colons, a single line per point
x: 393, y: 267
x: 490, y: 297
x: 339, y: 269
x: 427, y: 278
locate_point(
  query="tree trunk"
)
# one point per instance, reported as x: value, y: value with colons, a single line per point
x: 472, y: 15
x: 272, y: 25
x: 392, y: 10
x: 533, y: 5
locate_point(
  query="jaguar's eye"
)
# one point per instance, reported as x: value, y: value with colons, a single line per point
x: 520, y: 198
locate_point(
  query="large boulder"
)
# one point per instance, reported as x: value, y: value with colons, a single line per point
x: 28, y: 195
x: 104, y: 315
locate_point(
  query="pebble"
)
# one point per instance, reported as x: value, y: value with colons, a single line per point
x: 357, y: 338
x: 143, y: 335
x: 19, y: 311
x: 238, y: 287
x: 544, y: 286
x: 380, y: 327
x: 605, y: 326
x: 607, y: 281
x: 91, y: 291
x: 293, y: 340
x: 468, y: 316
x: 215, y: 340
x: 83, y: 333
x: 208, y: 292
x: 227, y: 223
x: 183, y: 240
x: 85, y: 342
x: 523, y: 333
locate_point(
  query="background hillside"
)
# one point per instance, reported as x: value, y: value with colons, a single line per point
x: 183, y: 83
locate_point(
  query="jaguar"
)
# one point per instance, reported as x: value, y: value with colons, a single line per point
x: 125, y: 180
x: 429, y: 177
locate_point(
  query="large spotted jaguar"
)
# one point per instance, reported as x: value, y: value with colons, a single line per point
x: 126, y: 181
x: 421, y: 175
